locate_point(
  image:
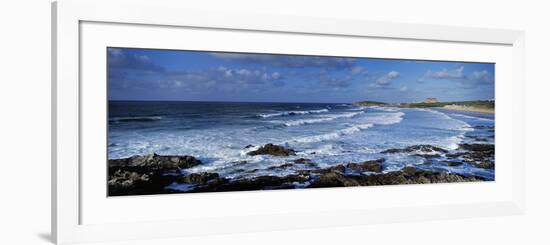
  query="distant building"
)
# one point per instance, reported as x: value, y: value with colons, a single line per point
x: 430, y: 100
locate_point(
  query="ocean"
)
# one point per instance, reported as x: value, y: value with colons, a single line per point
x: 221, y: 133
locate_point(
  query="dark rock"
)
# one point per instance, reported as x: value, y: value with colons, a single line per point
x: 257, y: 183
x: 408, y: 175
x: 338, y: 168
x: 419, y: 148
x: 428, y: 156
x: 409, y: 170
x: 156, y: 162
x: 274, y: 150
x: 452, y: 163
x: 334, y: 179
x: 123, y: 182
x: 371, y: 165
x: 122, y: 179
x: 486, y: 165
x: 476, y: 138
x: 248, y: 146
x: 149, y: 174
x: 286, y: 165
x: 240, y: 162
x: 302, y: 161
x: 479, y: 155
x: 478, y: 147
x: 198, y: 178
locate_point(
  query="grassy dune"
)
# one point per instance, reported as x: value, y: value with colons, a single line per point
x: 484, y: 106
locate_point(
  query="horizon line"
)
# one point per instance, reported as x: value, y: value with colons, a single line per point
x: 287, y: 102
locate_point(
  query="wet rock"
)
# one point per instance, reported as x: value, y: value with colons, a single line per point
x: 155, y: 161
x: 337, y: 168
x: 286, y: 165
x: 409, y: 170
x: 148, y: 174
x: 240, y: 162
x: 408, y: 175
x: 478, y: 147
x: 452, y: 163
x: 198, y: 178
x: 479, y: 155
x: 302, y: 161
x: 476, y: 138
x: 152, y: 173
x: 416, y: 148
x: 256, y: 183
x: 124, y: 182
x: 334, y: 179
x: 428, y: 156
x: 371, y: 165
x: 122, y: 179
x: 485, y: 165
x: 274, y: 150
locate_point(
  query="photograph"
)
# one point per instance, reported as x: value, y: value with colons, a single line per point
x: 190, y: 121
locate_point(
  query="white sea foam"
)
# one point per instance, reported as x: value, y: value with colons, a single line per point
x: 333, y: 135
x: 472, y: 117
x: 291, y: 113
x: 321, y: 119
x: 385, y: 118
x: 388, y: 109
x: 360, y: 108
x: 457, y: 125
x: 371, y: 120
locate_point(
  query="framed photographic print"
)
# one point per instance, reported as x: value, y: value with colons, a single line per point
x: 163, y: 115
x: 184, y: 121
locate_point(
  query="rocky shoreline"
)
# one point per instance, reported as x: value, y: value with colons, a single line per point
x: 154, y: 174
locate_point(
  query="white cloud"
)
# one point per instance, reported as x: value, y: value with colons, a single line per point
x: 457, y: 73
x: 289, y: 61
x: 393, y: 74
x: 482, y: 76
x: 358, y: 70
x: 404, y: 89
x: 459, y: 76
x: 387, y: 78
x: 222, y: 77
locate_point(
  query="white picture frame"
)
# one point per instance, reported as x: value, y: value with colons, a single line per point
x: 68, y: 17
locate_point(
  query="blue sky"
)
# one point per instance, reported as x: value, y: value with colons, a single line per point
x: 146, y: 74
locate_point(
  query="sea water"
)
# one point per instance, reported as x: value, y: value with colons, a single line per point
x: 221, y: 133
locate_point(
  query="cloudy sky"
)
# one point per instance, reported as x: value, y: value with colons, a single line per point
x: 144, y: 74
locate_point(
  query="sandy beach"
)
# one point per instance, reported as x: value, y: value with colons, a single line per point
x: 469, y: 109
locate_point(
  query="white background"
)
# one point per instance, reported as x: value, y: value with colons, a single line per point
x: 25, y: 122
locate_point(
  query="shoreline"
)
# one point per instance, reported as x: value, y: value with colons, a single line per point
x: 468, y: 109
x: 162, y: 174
